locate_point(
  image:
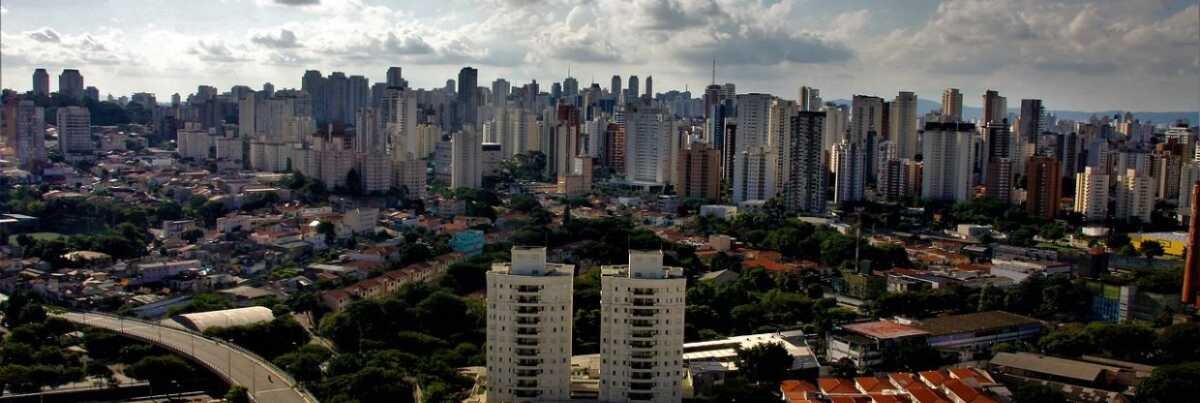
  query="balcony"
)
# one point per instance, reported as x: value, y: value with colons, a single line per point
x: 528, y: 299
x: 527, y: 342
x: 641, y: 344
x: 528, y: 310
x: 526, y: 373
x: 528, y: 331
x: 641, y: 386
x: 640, y: 396
x: 642, y: 355
x: 643, y: 291
x: 643, y: 334
x: 527, y: 384
x: 528, y: 320
x: 641, y: 376
x: 641, y: 365
x: 642, y: 323
x: 527, y: 394
x: 528, y: 362
x: 643, y: 302
x: 642, y: 313
x: 527, y: 352
x: 528, y: 289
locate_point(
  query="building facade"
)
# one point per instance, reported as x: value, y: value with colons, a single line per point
x: 641, y: 332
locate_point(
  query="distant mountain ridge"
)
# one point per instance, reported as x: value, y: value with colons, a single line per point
x: 974, y: 113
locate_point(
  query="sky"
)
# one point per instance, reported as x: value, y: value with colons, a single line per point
x: 1089, y: 55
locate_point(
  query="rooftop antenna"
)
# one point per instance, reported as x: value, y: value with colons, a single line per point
x: 714, y: 72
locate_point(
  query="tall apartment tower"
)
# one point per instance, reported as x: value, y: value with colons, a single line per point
x: 995, y: 107
x: 615, y: 87
x: 395, y: 79
x: 75, y: 131
x: 1091, y: 193
x: 1191, y: 267
x: 466, y: 169
x: 1135, y: 196
x: 850, y: 173
x: 41, y: 83
x: 641, y: 332
x: 698, y: 172
x: 648, y: 143
x: 866, y: 117
x: 25, y: 132
x: 1031, y: 123
x: 70, y: 84
x: 468, y: 85
x: 947, y: 153
x: 903, y: 124
x: 754, y: 166
x: 804, y: 172
x: 1044, y: 187
x: 952, y: 105
x: 500, y: 90
x: 529, y: 322
x: 632, y: 92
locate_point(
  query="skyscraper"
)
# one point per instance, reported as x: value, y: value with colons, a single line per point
x: 995, y: 107
x: 648, y: 133
x: 500, y: 90
x: 849, y: 175
x: 952, y: 105
x: 632, y: 92
x: 468, y: 82
x: 1135, y: 196
x: 1043, y: 187
x: 810, y: 99
x: 529, y: 326
x: 804, y: 173
x: 649, y: 87
x: 615, y: 87
x: 754, y: 168
x: 466, y: 158
x: 1030, y: 124
x: 394, y: 78
x: 866, y: 117
x: 70, y: 84
x: 903, y: 125
x: 947, y: 157
x: 998, y: 164
x: 75, y: 132
x: 641, y: 332
x: 41, y: 83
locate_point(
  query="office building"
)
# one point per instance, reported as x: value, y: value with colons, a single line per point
x: 952, y: 105
x: 529, y: 328
x: 642, y: 308
x: 468, y: 103
x: 75, y: 132
x: 1091, y: 193
x: 466, y: 156
x: 903, y: 124
x: 698, y: 172
x: 995, y: 107
x: 25, y: 132
x: 804, y: 171
x: 1043, y: 187
x: 500, y: 90
x: 631, y: 93
x: 1031, y: 121
x: 1135, y: 196
x: 947, y: 157
x: 810, y: 99
x: 70, y: 84
x: 41, y: 83
x: 997, y: 161
x: 395, y: 79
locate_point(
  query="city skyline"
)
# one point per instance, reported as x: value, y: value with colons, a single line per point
x: 843, y: 49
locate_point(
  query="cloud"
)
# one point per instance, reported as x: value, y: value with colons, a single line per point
x: 406, y: 44
x: 214, y: 51
x: 286, y: 39
x: 675, y: 14
x: 757, y: 47
x: 296, y: 2
x: 44, y: 35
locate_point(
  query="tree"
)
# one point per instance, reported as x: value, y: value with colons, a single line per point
x: 192, y: 235
x: 327, y: 229
x: 766, y: 363
x: 843, y: 368
x: 237, y: 394
x: 1171, y: 383
x: 1177, y: 343
x: 160, y: 370
x: 1151, y: 249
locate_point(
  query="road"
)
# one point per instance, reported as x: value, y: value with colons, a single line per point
x: 265, y: 382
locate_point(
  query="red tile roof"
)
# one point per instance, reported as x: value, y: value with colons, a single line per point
x: 836, y: 385
x: 965, y: 392
x: 884, y: 329
x: 871, y: 384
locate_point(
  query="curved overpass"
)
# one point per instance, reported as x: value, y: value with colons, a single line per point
x: 264, y: 381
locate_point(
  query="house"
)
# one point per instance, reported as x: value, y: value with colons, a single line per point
x: 866, y: 344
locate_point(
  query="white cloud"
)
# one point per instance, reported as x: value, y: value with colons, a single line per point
x: 283, y: 40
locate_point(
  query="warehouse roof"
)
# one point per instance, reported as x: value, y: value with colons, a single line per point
x: 201, y: 321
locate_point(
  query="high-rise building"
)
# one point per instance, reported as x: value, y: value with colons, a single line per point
x: 1135, y: 196
x: 468, y: 82
x: 810, y: 99
x: 529, y: 328
x: 500, y: 90
x: 466, y: 157
x: 900, y: 178
x: 1043, y: 187
x: 614, y: 152
x: 25, y: 127
x: 995, y: 107
x: 75, y: 132
x: 997, y: 161
x: 946, y: 149
x: 642, y: 308
x: 1030, y: 123
x: 648, y: 133
x: 698, y: 172
x: 70, y: 84
x: 804, y: 172
x: 903, y: 125
x: 41, y: 83
x: 866, y: 117
x: 1091, y: 193
x: 395, y: 79
x: 952, y: 105
x: 615, y: 87
x: 632, y: 92
x: 649, y: 87
x: 313, y: 83
x: 850, y: 174
x: 837, y: 121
